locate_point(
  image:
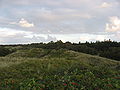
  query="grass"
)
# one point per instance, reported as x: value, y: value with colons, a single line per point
x: 39, y: 69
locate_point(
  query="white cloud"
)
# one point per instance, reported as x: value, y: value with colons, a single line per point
x: 105, y: 5
x: 4, y: 32
x: 113, y: 25
x: 12, y: 36
x: 25, y: 23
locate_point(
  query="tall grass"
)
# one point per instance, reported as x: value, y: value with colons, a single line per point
x: 58, y: 70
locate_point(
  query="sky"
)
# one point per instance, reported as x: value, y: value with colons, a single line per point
x: 34, y: 21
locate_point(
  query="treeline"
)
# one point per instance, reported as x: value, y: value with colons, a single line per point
x: 109, y: 49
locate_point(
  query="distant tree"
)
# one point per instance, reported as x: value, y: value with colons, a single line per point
x: 113, y: 53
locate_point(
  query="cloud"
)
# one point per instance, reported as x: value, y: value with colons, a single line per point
x: 58, y: 17
x: 105, y: 5
x: 23, y: 23
x: 113, y: 25
x: 59, y: 14
x: 50, y: 3
x: 12, y: 36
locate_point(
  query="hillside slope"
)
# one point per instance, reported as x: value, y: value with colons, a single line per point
x: 40, y: 69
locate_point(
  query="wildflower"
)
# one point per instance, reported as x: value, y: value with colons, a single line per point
x: 65, y: 84
x: 73, y: 83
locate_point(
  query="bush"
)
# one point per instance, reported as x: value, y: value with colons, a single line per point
x: 4, y: 51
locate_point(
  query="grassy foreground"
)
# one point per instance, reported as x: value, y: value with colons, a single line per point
x: 38, y: 69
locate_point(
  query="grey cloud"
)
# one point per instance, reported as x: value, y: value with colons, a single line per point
x: 56, y: 16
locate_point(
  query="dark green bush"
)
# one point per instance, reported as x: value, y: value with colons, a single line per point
x: 5, y: 51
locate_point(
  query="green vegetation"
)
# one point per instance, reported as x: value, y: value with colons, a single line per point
x: 5, y: 51
x: 57, y: 69
x: 108, y: 49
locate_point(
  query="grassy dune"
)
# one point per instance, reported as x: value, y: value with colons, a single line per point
x: 39, y: 69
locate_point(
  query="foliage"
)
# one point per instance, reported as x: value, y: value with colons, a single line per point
x: 33, y: 52
x: 5, y: 51
x: 109, y: 49
x: 60, y: 66
x: 60, y: 69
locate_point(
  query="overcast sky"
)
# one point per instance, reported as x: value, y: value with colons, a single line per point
x: 28, y: 21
